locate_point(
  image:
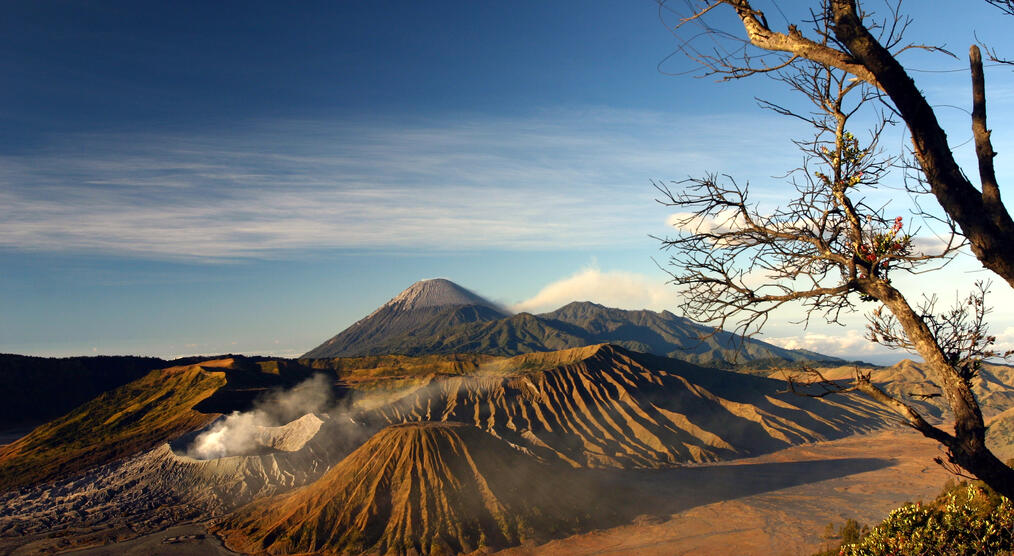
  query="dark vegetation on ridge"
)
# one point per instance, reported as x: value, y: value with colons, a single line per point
x: 36, y: 389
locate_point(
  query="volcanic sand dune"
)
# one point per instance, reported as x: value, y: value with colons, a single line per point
x: 603, y: 406
x: 431, y: 488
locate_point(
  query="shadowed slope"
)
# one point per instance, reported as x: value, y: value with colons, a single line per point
x: 668, y: 335
x: 434, y: 317
x: 603, y: 406
x: 426, y: 488
x: 36, y: 389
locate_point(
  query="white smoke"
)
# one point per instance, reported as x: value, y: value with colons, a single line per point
x: 243, y: 433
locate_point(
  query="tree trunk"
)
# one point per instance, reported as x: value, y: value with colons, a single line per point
x: 984, y: 221
x: 967, y: 447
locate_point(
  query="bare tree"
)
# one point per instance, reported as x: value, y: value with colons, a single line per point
x: 849, y: 39
x: 830, y: 250
x: 1005, y: 5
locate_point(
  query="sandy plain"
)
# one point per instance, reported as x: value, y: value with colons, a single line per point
x: 776, y: 504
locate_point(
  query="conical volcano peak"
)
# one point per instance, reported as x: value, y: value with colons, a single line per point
x: 420, y: 488
x: 424, y: 309
x: 437, y: 292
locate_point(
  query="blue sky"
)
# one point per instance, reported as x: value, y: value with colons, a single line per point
x: 202, y: 177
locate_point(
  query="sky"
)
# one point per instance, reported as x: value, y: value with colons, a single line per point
x: 246, y: 177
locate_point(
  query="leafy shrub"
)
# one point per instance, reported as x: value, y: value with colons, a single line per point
x: 964, y: 519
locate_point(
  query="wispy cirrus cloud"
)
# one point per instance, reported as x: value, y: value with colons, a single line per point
x: 560, y: 180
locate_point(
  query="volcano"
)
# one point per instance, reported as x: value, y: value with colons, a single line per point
x: 423, y: 309
x: 422, y: 488
x: 440, y: 317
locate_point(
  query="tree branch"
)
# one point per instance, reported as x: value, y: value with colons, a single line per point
x: 983, y: 147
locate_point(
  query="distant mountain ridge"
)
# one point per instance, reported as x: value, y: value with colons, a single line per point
x: 438, y: 316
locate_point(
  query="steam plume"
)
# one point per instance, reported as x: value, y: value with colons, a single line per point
x: 242, y: 433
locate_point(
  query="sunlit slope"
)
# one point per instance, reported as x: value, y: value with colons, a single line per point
x: 603, y: 406
x: 140, y: 415
x: 365, y: 370
x: 420, y: 488
x: 1000, y: 435
x: 118, y: 423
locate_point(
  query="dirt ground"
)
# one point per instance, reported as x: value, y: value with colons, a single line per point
x: 182, y: 540
x: 775, y: 504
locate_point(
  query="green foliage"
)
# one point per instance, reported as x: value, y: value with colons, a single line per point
x: 851, y: 532
x: 964, y: 519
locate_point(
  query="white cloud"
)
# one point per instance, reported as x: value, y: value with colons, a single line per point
x: 692, y: 223
x: 926, y: 244
x: 1005, y: 340
x: 624, y: 290
x: 849, y: 344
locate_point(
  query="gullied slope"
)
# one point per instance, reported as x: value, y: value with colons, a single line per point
x: 1000, y: 435
x: 993, y: 386
x: 419, y: 488
x: 603, y: 406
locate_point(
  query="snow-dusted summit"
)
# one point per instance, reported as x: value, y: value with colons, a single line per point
x: 435, y: 292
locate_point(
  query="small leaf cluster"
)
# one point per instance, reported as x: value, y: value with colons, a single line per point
x: 846, y: 160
